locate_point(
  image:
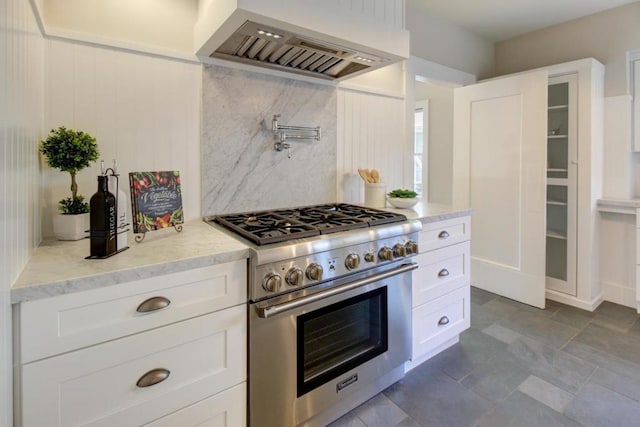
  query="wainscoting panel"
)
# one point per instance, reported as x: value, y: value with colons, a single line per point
x: 370, y: 135
x: 144, y: 111
x: 21, y: 116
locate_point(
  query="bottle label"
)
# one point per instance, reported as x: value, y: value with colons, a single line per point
x: 112, y: 222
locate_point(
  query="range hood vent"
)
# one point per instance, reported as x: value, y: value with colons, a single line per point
x: 264, y: 46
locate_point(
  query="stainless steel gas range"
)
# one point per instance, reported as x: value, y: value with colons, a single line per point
x: 329, y: 308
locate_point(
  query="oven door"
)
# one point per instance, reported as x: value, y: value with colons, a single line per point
x: 317, y: 351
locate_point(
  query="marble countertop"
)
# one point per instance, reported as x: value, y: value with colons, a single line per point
x: 57, y: 267
x: 429, y: 212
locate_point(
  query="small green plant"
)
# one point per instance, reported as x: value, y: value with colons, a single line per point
x: 73, y: 206
x: 403, y: 193
x: 70, y: 151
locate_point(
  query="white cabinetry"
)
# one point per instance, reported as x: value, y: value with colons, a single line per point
x: 572, y: 274
x: 562, y: 168
x: 441, y: 288
x: 172, y: 346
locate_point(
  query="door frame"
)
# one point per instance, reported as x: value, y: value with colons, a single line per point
x: 419, y: 69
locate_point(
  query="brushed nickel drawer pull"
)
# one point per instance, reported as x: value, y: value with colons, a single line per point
x: 443, y: 273
x: 153, y: 304
x: 443, y: 234
x: 444, y: 320
x: 153, y: 377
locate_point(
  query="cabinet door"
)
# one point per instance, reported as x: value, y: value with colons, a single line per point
x: 562, y: 179
x: 499, y: 162
x: 440, y: 320
x: 225, y: 409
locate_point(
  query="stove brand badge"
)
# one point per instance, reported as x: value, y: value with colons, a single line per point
x: 346, y: 383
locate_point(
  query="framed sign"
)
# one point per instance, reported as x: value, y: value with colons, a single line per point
x: 156, y: 200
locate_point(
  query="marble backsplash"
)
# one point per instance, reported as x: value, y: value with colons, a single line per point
x: 240, y: 169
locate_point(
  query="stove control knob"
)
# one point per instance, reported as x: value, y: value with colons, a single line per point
x: 385, y: 254
x: 314, y: 271
x: 399, y: 251
x: 411, y: 247
x: 294, y: 277
x: 272, y: 282
x: 352, y: 261
x: 369, y: 257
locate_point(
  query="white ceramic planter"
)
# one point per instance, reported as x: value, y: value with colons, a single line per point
x: 374, y: 194
x: 71, y: 227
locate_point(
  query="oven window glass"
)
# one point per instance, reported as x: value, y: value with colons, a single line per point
x: 339, y: 337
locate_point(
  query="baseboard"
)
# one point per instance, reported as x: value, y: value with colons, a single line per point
x: 619, y: 294
x: 574, y: 301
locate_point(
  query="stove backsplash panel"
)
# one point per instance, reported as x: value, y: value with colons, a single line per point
x: 240, y: 169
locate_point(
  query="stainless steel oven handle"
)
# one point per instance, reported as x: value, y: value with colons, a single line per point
x: 271, y: 310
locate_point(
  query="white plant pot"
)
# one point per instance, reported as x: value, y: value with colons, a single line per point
x: 71, y: 227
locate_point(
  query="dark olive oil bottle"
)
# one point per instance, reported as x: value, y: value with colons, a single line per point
x: 102, y: 217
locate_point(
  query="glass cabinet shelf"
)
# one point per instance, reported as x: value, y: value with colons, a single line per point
x: 557, y: 136
x: 556, y: 203
x: 555, y: 235
x: 557, y: 181
x: 558, y: 107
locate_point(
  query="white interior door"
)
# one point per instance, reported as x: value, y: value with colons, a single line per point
x: 499, y: 170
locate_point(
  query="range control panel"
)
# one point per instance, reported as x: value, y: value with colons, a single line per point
x: 288, y: 275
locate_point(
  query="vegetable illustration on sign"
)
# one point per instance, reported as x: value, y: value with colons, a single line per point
x: 156, y: 200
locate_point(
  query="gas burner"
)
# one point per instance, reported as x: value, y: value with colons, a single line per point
x: 325, y: 220
x: 267, y: 227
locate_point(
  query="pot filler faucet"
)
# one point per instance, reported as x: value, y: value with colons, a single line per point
x: 303, y: 133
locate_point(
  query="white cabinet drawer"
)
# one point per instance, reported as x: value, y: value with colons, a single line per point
x: 440, y: 272
x: 444, y: 233
x: 225, y: 409
x: 440, y: 320
x: 96, y: 386
x: 59, y: 324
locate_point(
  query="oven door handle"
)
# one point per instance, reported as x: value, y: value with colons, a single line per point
x: 265, y: 311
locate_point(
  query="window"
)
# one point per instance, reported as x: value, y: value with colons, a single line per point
x: 634, y: 58
x: 420, y: 133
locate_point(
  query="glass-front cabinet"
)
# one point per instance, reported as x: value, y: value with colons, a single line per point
x: 562, y: 174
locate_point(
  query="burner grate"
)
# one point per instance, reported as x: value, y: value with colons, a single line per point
x: 267, y: 227
x: 325, y: 220
x: 264, y: 228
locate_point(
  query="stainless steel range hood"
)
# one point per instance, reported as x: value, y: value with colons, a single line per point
x: 301, y: 37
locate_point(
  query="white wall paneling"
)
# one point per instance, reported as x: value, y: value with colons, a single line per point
x: 371, y: 134
x: 144, y: 111
x: 146, y: 24
x: 389, y: 12
x: 21, y: 115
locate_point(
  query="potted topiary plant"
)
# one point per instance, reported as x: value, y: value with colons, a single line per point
x: 70, y: 151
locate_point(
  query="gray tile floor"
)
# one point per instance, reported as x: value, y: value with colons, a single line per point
x: 521, y: 366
